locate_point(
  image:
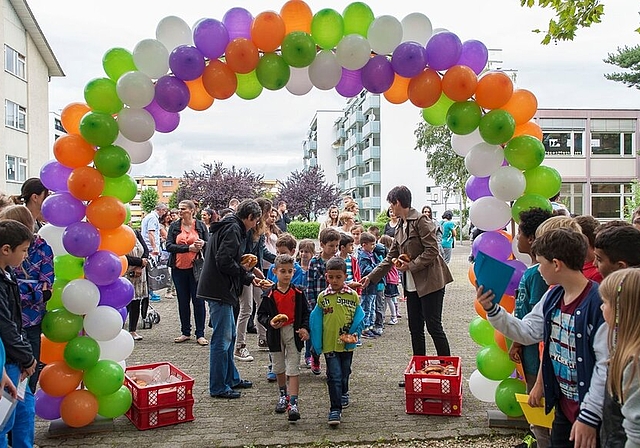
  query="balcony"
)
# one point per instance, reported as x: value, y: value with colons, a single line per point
x: 372, y: 152
x: 341, y: 168
x: 372, y: 203
x: 352, y: 162
x: 356, y: 182
x: 371, y: 102
x: 340, y: 133
x: 372, y: 177
x: 357, y: 117
x: 312, y: 144
x: 370, y: 127
x: 341, y: 152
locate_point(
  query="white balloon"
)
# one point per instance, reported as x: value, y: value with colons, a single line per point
x: 385, y: 34
x: 135, y: 89
x: 525, y: 258
x: 507, y: 183
x: 123, y: 364
x: 299, y: 82
x: 324, y: 71
x: 53, y: 236
x: 103, y: 323
x: 172, y: 31
x: 489, y: 213
x: 484, y: 159
x: 136, y: 125
x: 462, y: 144
x: 483, y: 388
x: 151, y: 57
x: 80, y: 296
x: 139, y: 152
x: 353, y: 52
x: 416, y: 27
x: 117, y: 349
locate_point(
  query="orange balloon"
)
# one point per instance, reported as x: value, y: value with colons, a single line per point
x: 73, y: 151
x: 106, y: 212
x: 267, y: 31
x: 459, y: 83
x: 506, y: 234
x: 494, y: 90
x: 501, y: 341
x: 58, y: 379
x: 51, y: 351
x: 481, y: 312
x: 398, y: 93
x: 508, y: 303
x: 520, y: 370
x: 125, y: 264
x: 85, y: 183
x: 471, y: 275
x: 529, y: 128
x: 425, y: 89
x: 522, y: 106
x: 120, y: 240
x: 219, y: 80
x: 297, y: 16
x: 79, y: 408
x: 71, y: 116
x: 242, y: 56
x: 200, y: 98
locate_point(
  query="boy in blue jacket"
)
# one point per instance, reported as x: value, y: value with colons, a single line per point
x: 367, y: 261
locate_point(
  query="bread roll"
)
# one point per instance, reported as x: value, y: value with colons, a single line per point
x: 279, y: 319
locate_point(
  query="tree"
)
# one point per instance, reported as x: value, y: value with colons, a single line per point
x: 307, y: 194
x: 215, y: 185
x: 632, y: 203
x: 626, y: 58
x: 173, y: 200
x: 148, y: 199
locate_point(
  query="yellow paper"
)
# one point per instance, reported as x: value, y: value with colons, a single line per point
x: 535, y: 416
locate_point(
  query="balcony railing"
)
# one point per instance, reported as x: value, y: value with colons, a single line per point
x: 372, y: 177
x: 370, y: 127
x: 372, y: 152
x: 371, y: 102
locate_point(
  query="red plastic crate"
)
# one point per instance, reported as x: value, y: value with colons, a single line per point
x: 419, y: 404
x: 161, y: 416
x: 433, y: 385
x: 163, y: 395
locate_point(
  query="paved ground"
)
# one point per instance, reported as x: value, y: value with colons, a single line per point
x: 376, y: 415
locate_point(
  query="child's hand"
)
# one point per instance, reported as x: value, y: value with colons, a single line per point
x: 535, y: 396
x: 303, y: 333
x: 6, y: 383
x: 354, y: 285
x: 485, y: 298
x: 583, y: 435
x: 515, y: 352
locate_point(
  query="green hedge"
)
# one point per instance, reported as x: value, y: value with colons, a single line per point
x: 302, y: 230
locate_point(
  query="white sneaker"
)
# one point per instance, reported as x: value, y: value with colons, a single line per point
x: 242, y: 354
x: 393, y: 321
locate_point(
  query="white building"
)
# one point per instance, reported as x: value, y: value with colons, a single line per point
x: 29, y: 63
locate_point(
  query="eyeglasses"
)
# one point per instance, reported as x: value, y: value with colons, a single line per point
x: 183, y: 209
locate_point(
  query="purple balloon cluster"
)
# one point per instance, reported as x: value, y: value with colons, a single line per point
x: 498, y: 246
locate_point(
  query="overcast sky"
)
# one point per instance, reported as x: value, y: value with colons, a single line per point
x: 266, y: 134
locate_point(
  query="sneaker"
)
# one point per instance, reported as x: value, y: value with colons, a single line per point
x: 271, y: 376
x: 283, y: 403
x: 153, y: 297
x: 262, y: 345
x: 307, y: 361
x: 369, y: 334
x: 377, y: 331
x: 242, y: 354
x: 293, y: 413
x: 344, y: 401
x: 359, y: 343
x: 393, y: 321
x: 315, y: 366
x: 398, y: 316
x: 334, y: 418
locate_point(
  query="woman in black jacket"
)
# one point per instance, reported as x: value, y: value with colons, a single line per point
x: 137, y: 275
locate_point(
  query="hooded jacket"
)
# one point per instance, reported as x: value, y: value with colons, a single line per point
x: 18, y: 349
x: 268, y: 310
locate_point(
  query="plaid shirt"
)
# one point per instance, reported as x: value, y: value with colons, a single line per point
x: 344, y: 290
x: 34, y: 275
x: 316, y: 281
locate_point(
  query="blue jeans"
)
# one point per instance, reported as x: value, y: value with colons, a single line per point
x: 379, y: 308
x: 368, y: 302
x: 21, y: 423
x: 338, y: 371
x: 186, y: 285
x: 223, y: 374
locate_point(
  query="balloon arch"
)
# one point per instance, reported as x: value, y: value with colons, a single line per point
x: 146, y: 89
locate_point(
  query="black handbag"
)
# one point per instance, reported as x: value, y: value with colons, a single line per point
x: 198, y: 264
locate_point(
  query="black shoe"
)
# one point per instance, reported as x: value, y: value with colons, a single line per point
x: 228, y: 394
x: 252, y: 330
x: 243, y: 384
x: 400, y: 383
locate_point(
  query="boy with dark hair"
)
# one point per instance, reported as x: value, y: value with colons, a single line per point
x: 570, y: 322
x: 589, y: 226
x: 375, y: 231
x: 345, y: 249
x: 335, y: 323
x: 367, y: 261
x: 616, y: 247
x: 286, y: 245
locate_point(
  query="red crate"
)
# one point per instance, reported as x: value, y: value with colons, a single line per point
x: 161, y: 416
x: 433, y: 385
x: 163, y: 395
x: 419, y: 404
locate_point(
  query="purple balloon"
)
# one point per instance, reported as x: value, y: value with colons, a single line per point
x: 117, y: 294
x: 47, y: 407
x: 54, y: 176
x: 494, y: 244
x: 211, y: 37
x: 81, y: 239
x: 238, y: 22
x: 474, y: 55
x: 520, y: 267
x: 103, y: 267
x: 409, y: 59
x: 186, y: 62
x: 62, y: 209
x: 165, y: 121
x: 377, y: 74
x: 123, y: 312
x: 443, y: 50
x: 172, y: 94
x: 350, y: 83
x: 477, y: 187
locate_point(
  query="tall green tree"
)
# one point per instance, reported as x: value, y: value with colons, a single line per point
x: 627, y: 58
x: 632, y: 203
x: 148, y: 199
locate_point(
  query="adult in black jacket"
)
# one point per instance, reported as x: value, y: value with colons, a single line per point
x: 221, y: 282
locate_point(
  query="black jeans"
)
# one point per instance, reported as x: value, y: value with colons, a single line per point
x: 426, y: 309
x: 561, y: 430
x: 186, y: 285
x: 33, y: 336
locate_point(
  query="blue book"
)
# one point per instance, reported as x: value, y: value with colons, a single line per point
x: 492, y: 274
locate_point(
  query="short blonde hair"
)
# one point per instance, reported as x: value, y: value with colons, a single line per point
x: 346, y: 215
x: 557, y: 222
x: 18, y: 213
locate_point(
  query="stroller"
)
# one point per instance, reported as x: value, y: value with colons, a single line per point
x: 150, y: 315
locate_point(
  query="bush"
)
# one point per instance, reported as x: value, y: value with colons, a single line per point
x: 301, y: 230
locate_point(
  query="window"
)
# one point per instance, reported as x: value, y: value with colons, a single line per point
x: 16, y: 168
x: 167, y: 183
x: 612, y: 137
x: 15, y: 62
x: 572, y: 195
x: 562, y: 143
x: 57, y: 124
x: 607, y: 200
x: 15, y: 115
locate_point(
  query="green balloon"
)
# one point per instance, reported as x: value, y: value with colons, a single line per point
x: 357, y: 18
x: 112, y: 161
x: 55, y: 301
x: 494, y: 364
x: 82, y: 353
x: 68, y: 267
x: 436, y: 115
x: 298, y: 49
x: 327, y: 28
x: 127, y: 218
x: 524, y: 152
x: 101, y: 96
x: 463, y: 117
x: 529, y: 201
x: 104, y: 378
x: 118, y: 61
x: 481, y: 332
x: 60, y: 325
x: 497, y: 127
x: 272, y: 72
x: 115, y: 404
x: 249, y: 88
x: 123, y: 187
x: 506, y: 396
x: 98, y: 128
x: 542, y: 180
